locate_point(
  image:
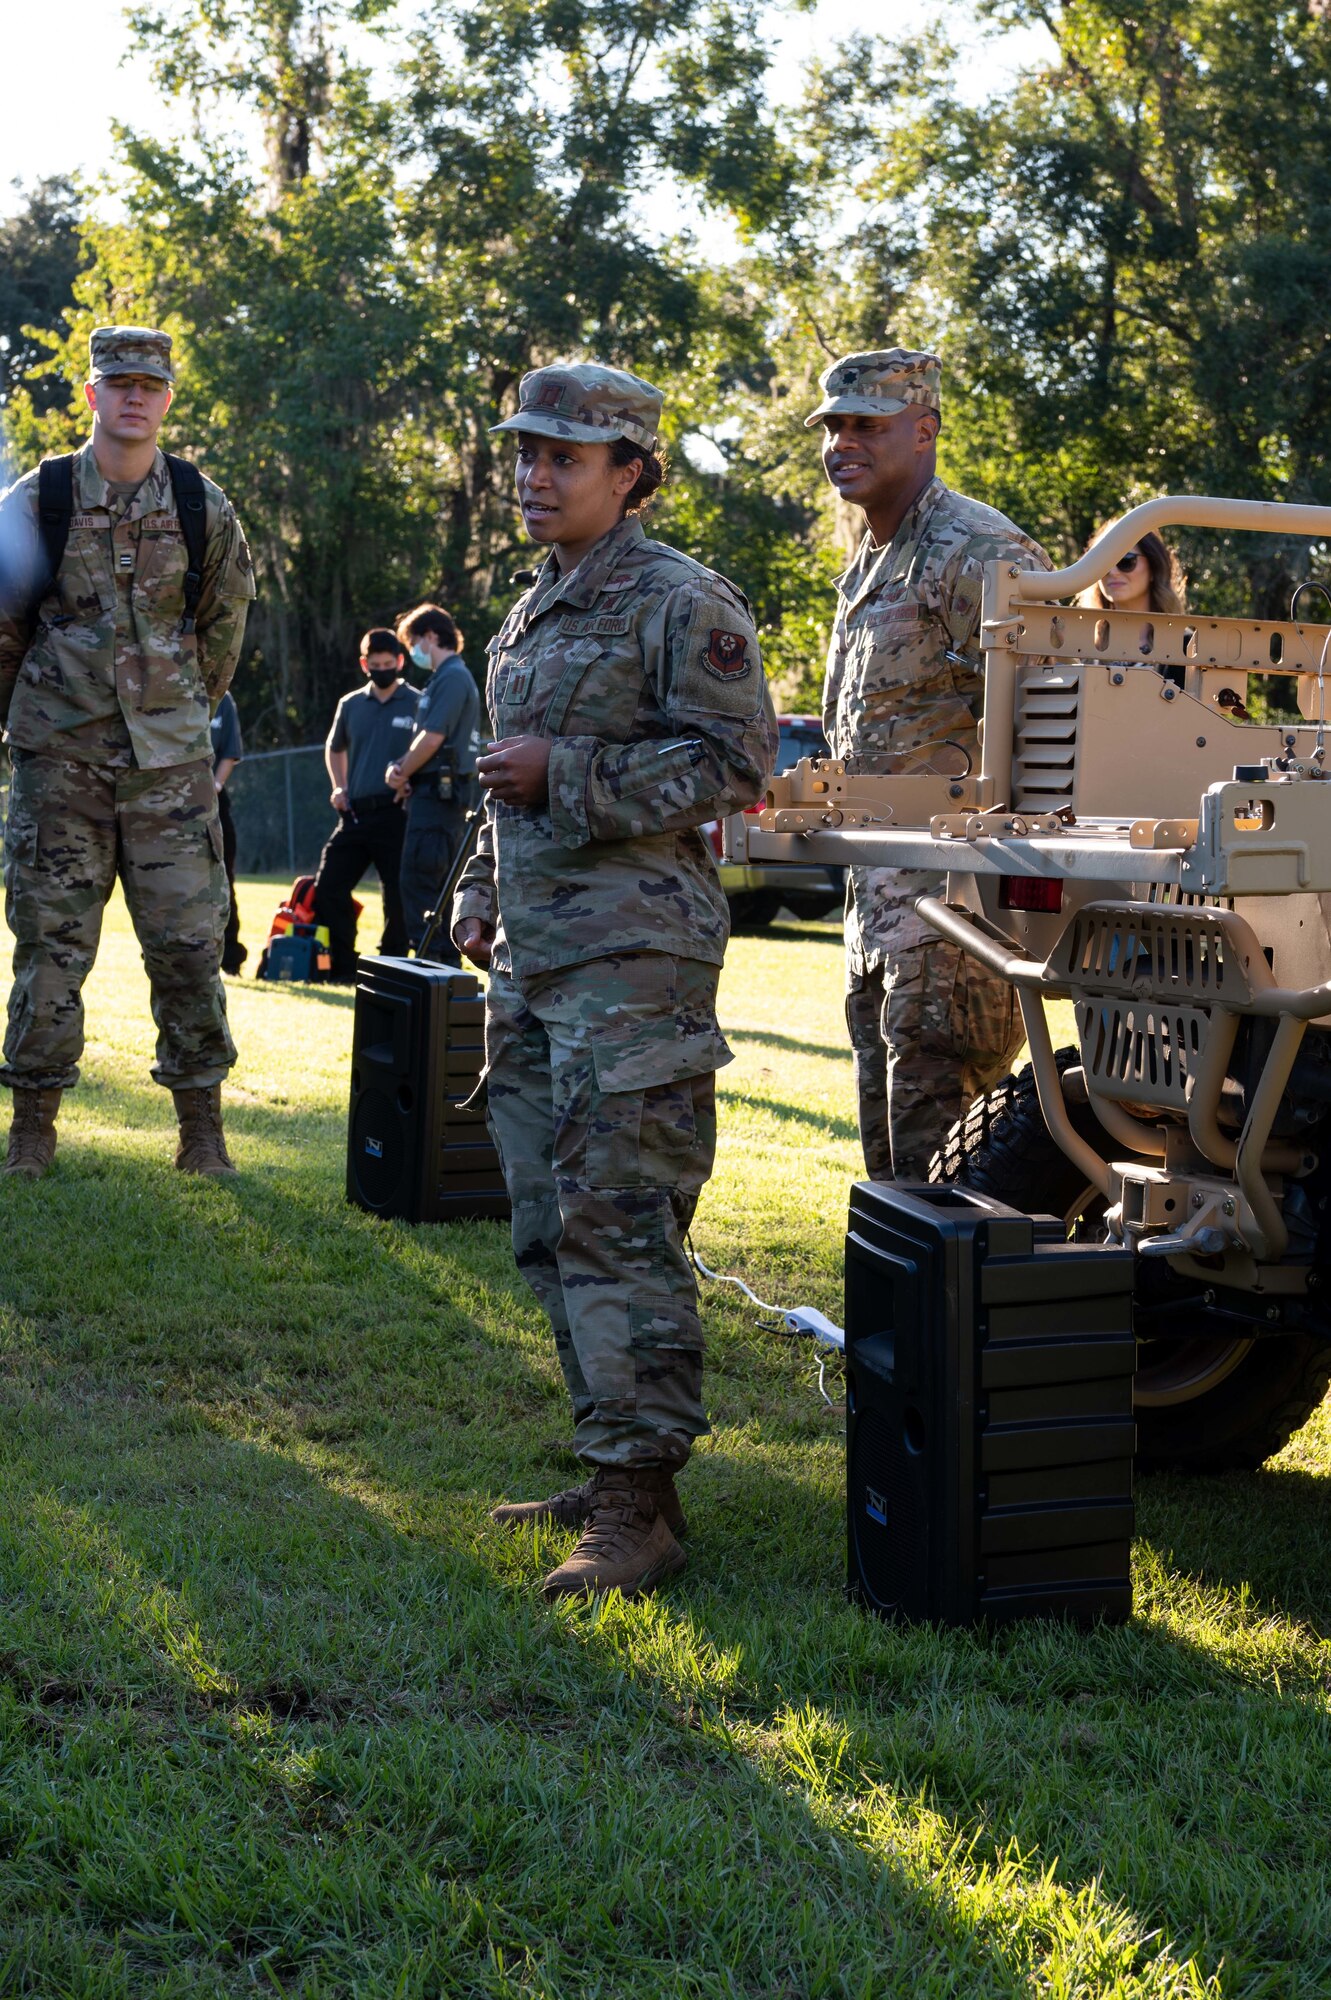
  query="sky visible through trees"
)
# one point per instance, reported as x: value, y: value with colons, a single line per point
x: 1113, y: 219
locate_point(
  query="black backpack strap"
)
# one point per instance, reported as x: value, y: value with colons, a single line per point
x: 55, y: 511
x: 187, y: 485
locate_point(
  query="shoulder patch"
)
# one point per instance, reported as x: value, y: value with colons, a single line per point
x: 726, y: 654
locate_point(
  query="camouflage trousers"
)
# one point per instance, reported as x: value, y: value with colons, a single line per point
x: 602, y: 1102
x: 72, y: 828
x: 929, y: 1030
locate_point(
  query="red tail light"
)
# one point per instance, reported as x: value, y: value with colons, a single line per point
x: 1029, y: 892
x: 713, y: 832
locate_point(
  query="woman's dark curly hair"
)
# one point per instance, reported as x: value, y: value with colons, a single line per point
x: 655, y: 469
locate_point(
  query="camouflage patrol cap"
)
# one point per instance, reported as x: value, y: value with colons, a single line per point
x: 880, y: 384
x: 588, y: 404
x: 130, y: 350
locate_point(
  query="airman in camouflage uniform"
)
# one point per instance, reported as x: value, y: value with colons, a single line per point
x: 105, y: 692
x: 608, y: 928
x: 930, y: 1028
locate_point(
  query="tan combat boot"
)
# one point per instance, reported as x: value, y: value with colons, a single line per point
x: 572, y: 1508
x: 627, y: 1544
x: 202, y: 1148
x: 32, y: 1132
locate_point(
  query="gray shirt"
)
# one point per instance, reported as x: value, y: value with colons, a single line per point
x: 374, y: 735
x: 449, y: 705
x: 225, y: 731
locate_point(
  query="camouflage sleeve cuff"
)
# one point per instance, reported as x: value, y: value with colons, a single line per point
x: 476, y: 899
x: 475, y: 895
x: 570, y: 770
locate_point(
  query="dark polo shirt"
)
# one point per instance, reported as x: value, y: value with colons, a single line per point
x: 449, y: 705
x: 374, y: 735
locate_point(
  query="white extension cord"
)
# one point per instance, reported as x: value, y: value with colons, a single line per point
x: 827, y: 1337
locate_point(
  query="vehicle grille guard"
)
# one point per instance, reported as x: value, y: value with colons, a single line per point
x: 1124, y: 966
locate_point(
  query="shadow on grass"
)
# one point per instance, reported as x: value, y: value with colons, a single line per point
x: 247, y: 1472
x: 327, y: 995
x: 829, y: 1123
x: 1266, y: 1535
x: 789, y: 1044
x: 911, y: 1788
x: 803, y: 930
x: 219, y: 1610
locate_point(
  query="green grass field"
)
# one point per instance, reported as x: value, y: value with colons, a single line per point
x: 281, y: 1712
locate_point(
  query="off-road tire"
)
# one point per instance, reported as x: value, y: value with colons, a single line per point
x: 1236, y: 1419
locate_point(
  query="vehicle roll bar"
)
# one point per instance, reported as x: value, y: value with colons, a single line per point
x: 1173, y: 510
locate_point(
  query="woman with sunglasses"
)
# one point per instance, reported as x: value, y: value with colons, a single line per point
x: 1146, y: 579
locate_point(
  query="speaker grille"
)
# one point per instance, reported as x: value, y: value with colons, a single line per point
x: 888, y: 1520
x: 378, y: 1151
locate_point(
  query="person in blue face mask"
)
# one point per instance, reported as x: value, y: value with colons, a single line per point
x: 437, y: 773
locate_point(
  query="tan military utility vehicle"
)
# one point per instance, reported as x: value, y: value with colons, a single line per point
x: 1133, y: 844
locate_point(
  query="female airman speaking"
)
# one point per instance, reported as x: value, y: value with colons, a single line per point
x: 629, y: 707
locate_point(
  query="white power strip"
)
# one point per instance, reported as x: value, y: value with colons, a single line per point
x: 798, y: 1319
x: 808, y: 1319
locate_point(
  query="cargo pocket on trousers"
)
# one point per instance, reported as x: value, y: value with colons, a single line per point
x: 643, y: 1127
x: 986, y: 1017
x: 219, y: 889
x: 666, y: 1340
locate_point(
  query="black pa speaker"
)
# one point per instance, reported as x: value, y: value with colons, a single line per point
x: 989, y: 1438
x: 418, y: 1047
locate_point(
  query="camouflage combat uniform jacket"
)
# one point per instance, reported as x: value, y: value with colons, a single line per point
x: 644, y: 668
x: 107, y: 674
x: 905, y: 677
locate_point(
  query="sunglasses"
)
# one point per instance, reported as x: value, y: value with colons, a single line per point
x: 1127, y: 564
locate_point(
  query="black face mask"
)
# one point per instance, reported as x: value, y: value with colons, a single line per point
x: 384, y: 677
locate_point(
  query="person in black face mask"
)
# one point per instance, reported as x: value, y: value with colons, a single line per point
x: 372, y: 728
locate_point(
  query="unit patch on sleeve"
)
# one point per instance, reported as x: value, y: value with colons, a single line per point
x: 726, y: 655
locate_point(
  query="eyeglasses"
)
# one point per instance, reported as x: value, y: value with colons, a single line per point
x: 1128, y: 563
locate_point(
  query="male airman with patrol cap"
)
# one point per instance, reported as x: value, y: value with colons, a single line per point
x: 114, y: 644
x: 929, y: 1027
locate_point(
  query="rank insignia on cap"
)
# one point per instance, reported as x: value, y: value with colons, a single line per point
x: 726, y: 655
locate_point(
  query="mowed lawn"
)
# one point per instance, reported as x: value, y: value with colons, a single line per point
x: 282, y: 1713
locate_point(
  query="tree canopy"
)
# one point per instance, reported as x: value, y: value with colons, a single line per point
x: 39, y: 260
x: 1122, y: 255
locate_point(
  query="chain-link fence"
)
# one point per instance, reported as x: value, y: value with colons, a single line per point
x: 279, y: 799
x: 280, y: 802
